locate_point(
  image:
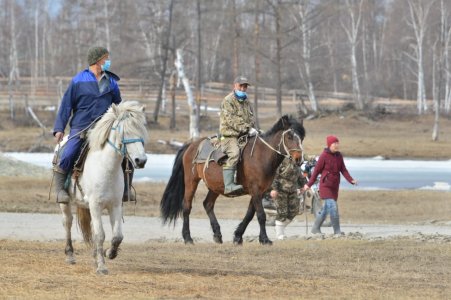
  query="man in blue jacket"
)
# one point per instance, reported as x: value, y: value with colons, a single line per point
x: 89, y: 95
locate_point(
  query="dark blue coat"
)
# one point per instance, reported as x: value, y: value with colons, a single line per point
x: 84, y: 101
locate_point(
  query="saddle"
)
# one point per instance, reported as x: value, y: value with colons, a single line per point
x: 79, y: 163
x: 210, y: 150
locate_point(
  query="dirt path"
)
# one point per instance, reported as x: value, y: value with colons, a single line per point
x: 47, y: 227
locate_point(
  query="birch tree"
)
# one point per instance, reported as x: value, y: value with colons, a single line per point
x: 14, y: 73
x: 351, y: 28
x: 418, y: 12
x: 440, y: 49
x: 304, y: 18
x: 256, y: 59
x: 194, y: 116
x: 164, y: 62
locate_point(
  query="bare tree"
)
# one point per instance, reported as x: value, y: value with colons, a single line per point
x: 305, y: 16
x: 256, y: 59
x: 199, y: 57
x: 194, y: 116
x: 164, y: 62
x: 419, y: 11
x: 354, y: 10
x: 438, y: 67
x: 14, y: 73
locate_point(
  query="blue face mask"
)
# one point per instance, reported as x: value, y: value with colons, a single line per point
x: 240, y: 95
x: 106, y: 66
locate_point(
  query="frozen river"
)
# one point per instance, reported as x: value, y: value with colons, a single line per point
x: 372, y: 173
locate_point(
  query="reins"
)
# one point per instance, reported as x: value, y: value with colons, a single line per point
x: 282, y: 142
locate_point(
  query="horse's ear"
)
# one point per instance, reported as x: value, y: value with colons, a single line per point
x: 285, y: 121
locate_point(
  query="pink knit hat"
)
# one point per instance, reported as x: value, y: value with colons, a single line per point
x: 331, y: 139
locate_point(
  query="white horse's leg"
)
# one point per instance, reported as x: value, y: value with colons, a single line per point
x: 99, y: 237
x: 67, y: 223
x: 116, y: 226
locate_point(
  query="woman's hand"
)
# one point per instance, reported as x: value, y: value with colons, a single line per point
x: 273, y: 194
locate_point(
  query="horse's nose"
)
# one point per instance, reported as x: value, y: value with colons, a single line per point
x: 140, y: 162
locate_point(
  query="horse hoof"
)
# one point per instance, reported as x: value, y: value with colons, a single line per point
x: 189, y: 242
x: 217, y: 239
x: 238, y: 241
x: 102, y: 271
x: 111, y: 254
x: 70, y: 260
x: 266, y: 242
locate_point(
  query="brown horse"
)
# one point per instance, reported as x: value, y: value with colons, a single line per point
x: 260, y: 159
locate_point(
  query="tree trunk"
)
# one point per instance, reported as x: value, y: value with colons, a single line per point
x: 352, y: 33
x: 172, y: 84
x: 256, y: 59
x: 194, y: 119
x: 236, y: 40
x: 199, y: 59
x: 278, y: 61
x: 164, y: 63
x: 14, y: 73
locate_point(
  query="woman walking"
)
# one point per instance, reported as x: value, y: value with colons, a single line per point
x: 330, y: 164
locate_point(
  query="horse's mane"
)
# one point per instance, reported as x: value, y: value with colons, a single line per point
x: 134, y: 123
x: 284, y: 123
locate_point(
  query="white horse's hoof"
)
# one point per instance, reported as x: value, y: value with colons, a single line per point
x: 102, y: 271
x: 70, y: 260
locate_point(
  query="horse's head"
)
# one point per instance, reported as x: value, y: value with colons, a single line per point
x: 124, y: 128
x: 292, y: 134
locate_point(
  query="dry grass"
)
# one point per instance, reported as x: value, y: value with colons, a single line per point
x: 24, y: 194
x: 394, y: 136
x: 343, y: 269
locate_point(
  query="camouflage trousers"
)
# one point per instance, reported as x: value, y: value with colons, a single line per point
x: 287, y: 204
x: 231, y: 147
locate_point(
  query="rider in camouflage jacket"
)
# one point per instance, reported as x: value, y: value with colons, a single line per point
x: 236, y: 120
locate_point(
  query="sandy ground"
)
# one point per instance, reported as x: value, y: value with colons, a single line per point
x: 47, y: 227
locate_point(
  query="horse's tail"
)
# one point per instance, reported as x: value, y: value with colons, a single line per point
x: 84, y: 222
x: 171, y: 205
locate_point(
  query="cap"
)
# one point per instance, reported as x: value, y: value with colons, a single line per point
x: 95, y: 54
x: 241, y: 80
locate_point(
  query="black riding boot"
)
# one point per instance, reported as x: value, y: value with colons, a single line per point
x: 61, y: 194
x: 128, y: 182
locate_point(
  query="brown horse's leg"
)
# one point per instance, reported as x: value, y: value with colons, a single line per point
x: 190, y: 190
x: 238, y: 234
x: 261, y: 217
x: 209, y: 205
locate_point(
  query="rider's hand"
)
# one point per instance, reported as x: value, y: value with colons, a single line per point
x: 306, y: 187
x: 354, y: 182
x: 58, y: 137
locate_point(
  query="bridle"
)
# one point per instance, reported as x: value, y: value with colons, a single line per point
x: 282, y: 143
x: 122, y: 149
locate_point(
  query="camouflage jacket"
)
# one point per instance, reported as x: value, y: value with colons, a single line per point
x: 288, y: 177
x: 236, y: 117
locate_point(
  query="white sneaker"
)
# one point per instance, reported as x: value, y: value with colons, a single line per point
x: 281, y: 237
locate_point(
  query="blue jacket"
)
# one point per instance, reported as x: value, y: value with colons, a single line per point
x: 84, y: 101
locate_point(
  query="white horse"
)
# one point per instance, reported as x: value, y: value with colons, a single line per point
x: 119, y: 134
